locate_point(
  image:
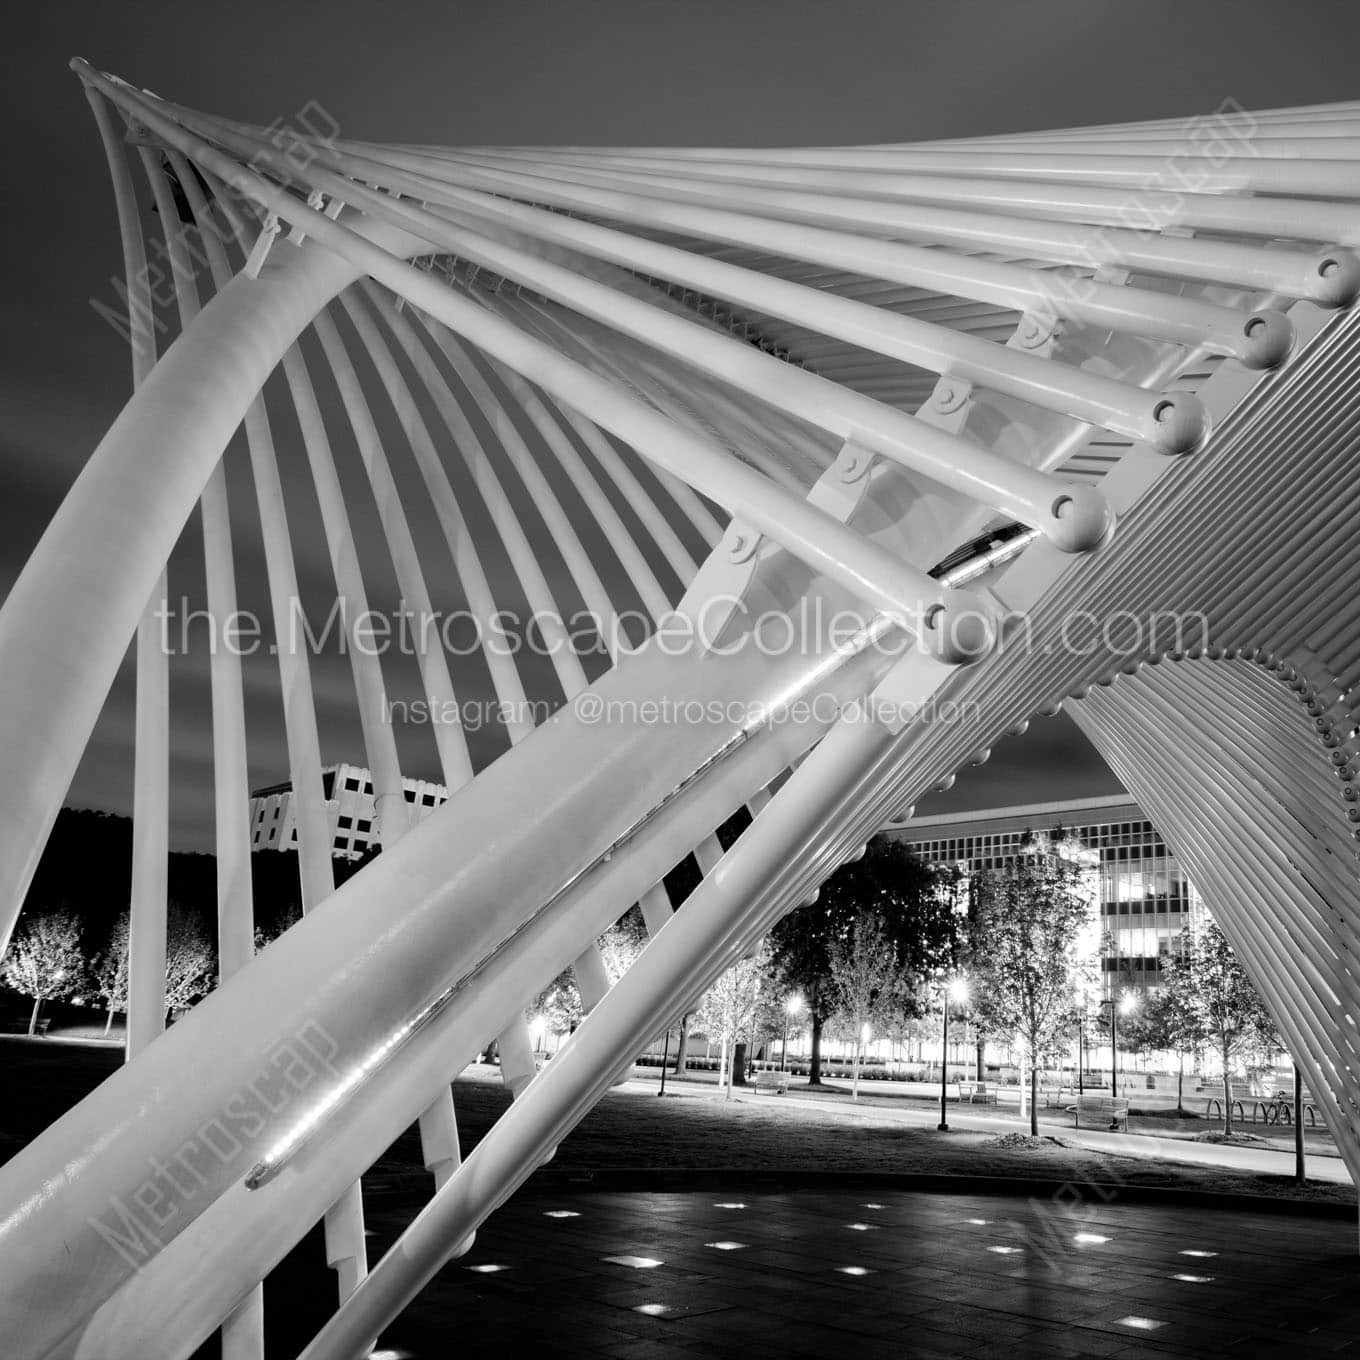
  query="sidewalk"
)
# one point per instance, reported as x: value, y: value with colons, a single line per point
x: 921, y: 1115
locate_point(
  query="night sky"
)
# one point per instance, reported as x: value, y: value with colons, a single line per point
x: 725, y: 72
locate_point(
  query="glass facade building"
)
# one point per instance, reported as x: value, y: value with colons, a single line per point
x: 1141, y: 899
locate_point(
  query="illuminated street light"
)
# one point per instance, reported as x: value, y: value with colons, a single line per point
x: 956, y: 991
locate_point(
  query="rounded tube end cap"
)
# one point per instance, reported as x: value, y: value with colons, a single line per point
x: 1080, y: 519
x: 957, y: 629
x: 1267, y: 338
x: 1180, y: 422
x: 1335, y: 279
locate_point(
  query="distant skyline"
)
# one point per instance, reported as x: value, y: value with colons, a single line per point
x: 477, y: 73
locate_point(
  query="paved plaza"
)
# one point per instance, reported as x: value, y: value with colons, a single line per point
x: 869, y: 1274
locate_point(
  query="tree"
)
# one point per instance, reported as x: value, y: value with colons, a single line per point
x: 729, y: 1007
x: 190, y: 960
x: 110, y: 972
x: 909, y: 900
x: 559, y: 1003
x: 1209, y: 981
x: 45, y: 960
x: 1027, y: 918
x: 864, y: 977
x: 1165, y: 1023
x: 622, y: 943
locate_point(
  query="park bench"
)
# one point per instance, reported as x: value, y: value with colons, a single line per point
x: 1112, y: 1109
x: 778, y: 1082
x: 21, y: 1027
x: 1240, y: 1098
x: 976, y: 1093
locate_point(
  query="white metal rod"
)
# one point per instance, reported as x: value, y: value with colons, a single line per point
x: 856, y: 563
x: 660, y: 981
x: 151, y: 761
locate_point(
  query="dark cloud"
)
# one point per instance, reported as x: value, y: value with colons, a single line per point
x: 700, y: 72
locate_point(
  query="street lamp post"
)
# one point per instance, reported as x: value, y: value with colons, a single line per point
x: 665, y: 1060
x: 1114, y: 1046
x: 791, y: 1007
x: 1081, y: 1050
x: 957, y: 990
x: 1124, y: 1006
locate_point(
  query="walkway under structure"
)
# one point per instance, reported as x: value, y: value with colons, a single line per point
x: 1003, y: 425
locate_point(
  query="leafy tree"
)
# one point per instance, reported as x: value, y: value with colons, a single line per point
x: 1165, y: 1023
x: 110, y: 972
x: 279, y: 921
x: 908, y: 899
x: 190, y: 960
x: 45, y: 960
x: 622, y: 943
x: 1210, y: 983
x: 1027, y: 918
x: 729, y: 1007
x: 865, y: 978
x: 559, y: 1003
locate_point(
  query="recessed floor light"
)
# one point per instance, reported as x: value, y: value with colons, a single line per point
x: 863, y: 1227
x: 1090, y: 1239
x: 1005, y: 1251
x: 853, y: 1270
x: 730, y: 1204
x: 871, y: 1206
x: 1141, y: 1324
x: 979, y: 1222
x: 561, y: 1213
x: 1194, y: 1279
x: 1198, y: 1253
x: 487, y: 1269
x: 654, y: 1309
x: 726, y: 1246
x: 637, y: 1262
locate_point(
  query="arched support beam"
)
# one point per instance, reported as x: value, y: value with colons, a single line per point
x: 1226, y: 762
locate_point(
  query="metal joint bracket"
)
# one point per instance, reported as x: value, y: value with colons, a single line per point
x: 264, y: 242
x: 740, y: 543
x: 314, y: 201
x: 1037, y: 332
x: 950, y: 395
x: 852, y: 463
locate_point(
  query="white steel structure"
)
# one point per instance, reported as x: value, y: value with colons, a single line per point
x: 834, y: 367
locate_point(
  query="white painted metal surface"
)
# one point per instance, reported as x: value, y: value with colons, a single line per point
x: 720, y: 383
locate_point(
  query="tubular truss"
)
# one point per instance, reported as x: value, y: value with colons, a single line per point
x: 1014, y: 407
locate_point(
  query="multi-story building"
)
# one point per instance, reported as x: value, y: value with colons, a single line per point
x: 1141, y: 900
x: 348, y: 791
